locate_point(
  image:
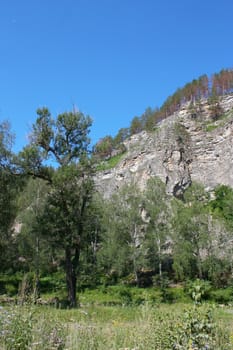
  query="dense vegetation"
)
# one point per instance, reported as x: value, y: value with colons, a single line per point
x: 53, y: 221
x: 116, y: 328
x: 60, y: 240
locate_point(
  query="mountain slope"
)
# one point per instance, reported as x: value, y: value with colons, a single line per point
x: 183, y: 148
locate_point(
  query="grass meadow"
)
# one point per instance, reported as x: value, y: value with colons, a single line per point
x: 100, y: 327
x: 119, y: 318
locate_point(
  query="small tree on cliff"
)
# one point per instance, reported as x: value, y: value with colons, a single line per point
x: 63, y: 144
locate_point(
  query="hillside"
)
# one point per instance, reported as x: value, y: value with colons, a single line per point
x: 185, y: 147
x: 54, y: 225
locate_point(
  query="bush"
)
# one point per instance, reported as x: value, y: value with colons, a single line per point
x: 110, y: 163
x: 11, y: 289
x: 22, y: 329
x: 16, y: 330
x: 176, y: 294
x: 9, y: 284
x: 125, y: 296
x: 198, y: 290
x: 222, y: 296
x: 194, y: 329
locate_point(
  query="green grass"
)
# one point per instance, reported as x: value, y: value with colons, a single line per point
x: 93, y: 327
x: 219, y: 122
x: 133, y: 296
x: 110, y: 163
x: 211, y: 127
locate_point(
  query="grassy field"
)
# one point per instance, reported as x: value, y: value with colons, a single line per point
x: 120, y: 318
x: 96, y: 327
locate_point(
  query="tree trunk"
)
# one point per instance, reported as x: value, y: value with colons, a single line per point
x: 159, y: 256
x: 36, y: 291
x: 71, y: 279
x: 199, y: 265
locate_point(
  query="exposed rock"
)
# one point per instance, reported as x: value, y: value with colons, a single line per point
x: 182, y: 149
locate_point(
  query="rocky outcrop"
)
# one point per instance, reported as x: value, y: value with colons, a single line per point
x: 182, y: 149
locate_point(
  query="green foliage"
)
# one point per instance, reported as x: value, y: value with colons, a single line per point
x: 215, y: 109
x: 199, y: 290
x: 104, y: 147
x: 121, y: 136
x: 123, y: 294
x: 63, y: 141
x: 62, y: 219
x: 10, y: 282
x: 222, y: 296
x: 122, y: 250
x: 218, y: 123
x: 32, y: 249
x: 135, y: 126
x: 65, y: 138
x: 175, y: 295
x: 63, y: 227
x: 100, y: 327
x: 156, y: 205
x: 9, y: 188
x: 222, y: 205
x: 191, y: 234
x: 198, y: 331
x: 181, y: 133
x: 23, y: 329
x: 16, y: 330
x: 110, y: 163
x: 218, y: 269
x: 211, y: 127
x: 193, y: 328
x: 10, y: 289
x: 195, y: 109
x: 6, y: 143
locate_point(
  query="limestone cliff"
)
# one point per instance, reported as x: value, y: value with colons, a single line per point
x: 183, y: 148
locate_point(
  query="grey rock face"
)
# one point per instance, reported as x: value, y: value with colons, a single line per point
x: 181, y: 150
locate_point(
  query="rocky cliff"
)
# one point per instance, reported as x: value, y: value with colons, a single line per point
x: 183, y: 148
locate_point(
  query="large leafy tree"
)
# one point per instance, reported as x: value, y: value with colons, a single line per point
x: 222, y: 205
x: 32, y: 248
x: 222, y: 210
x: 8, y: 209
x: 58, y: 153
x: 104, y: 147
x: 158, y: 217
x: 9, y: 189
x: 191, y: 233
x: 122, y: 250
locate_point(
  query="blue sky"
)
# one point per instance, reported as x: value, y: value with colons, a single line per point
x: 110, y: 58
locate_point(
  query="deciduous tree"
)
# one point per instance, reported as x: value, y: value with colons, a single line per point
x: 191, y: 235
x: 58, y: 153
x: 158, y: 217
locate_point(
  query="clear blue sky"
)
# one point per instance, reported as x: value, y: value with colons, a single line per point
x: 110, y: 58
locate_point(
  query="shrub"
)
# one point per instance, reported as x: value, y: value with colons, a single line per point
x: 16, y: 330
x: 222, y: 296
x: 110, y: 163
x: 22, y: 329
x: 125, y: 296
x: 176, y: 294
x: 198, y: 290
x: 10, y: 289
x: 194, y: 329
